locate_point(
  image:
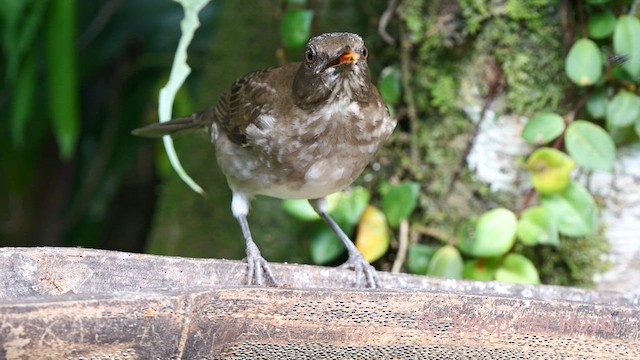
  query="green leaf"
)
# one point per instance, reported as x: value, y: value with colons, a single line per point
x: 542, y: 128
x: 597, y: 104
x: 550, y: 169
x: 389, y: 85
x: 22, y: 24
x: 636, y: 127
x: 597, y: 2
x: 517, y: 269
x: 626, y: 41
x: 400, y: 201
x: 495, y: 234
x: 601, y: 24
x: 623, y: 109
x: 325, y: 245
x: 22, y: 104
x: 295, y: 27
x: 536, y: 227
x: 480, y: 269
x: 622, y: 135
x: 349, y: 205
x: 62, y: 75
x: 590, y: 146
x: 583, y: 64
x: 373, y: 234
x: 573, y: 210
x: 418, y: 257
x: 446, y: 262
x: 300, y: 209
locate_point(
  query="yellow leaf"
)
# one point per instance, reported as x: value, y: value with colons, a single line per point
x: 550, y: 170
x: 373, y: 235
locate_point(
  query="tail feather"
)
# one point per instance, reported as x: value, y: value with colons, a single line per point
x: 168, y: 127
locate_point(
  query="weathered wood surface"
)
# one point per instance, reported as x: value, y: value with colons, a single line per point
x: 80, y: 303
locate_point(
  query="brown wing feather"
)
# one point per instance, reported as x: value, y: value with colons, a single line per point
x: 254, y: 94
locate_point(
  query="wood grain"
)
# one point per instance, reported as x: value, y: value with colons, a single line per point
x: 79, y: 303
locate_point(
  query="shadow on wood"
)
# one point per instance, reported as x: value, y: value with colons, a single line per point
x: 82, y: 303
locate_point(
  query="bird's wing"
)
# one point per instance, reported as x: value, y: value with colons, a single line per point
x: 255, y: 94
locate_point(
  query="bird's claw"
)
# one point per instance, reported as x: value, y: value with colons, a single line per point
x: 258, y: 269
x: 362, y: 268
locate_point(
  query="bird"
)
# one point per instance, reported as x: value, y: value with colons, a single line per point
x: 301, y: 130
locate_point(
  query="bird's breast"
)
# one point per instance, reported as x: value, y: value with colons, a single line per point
x: 308, y: 154
x: 326, y: 150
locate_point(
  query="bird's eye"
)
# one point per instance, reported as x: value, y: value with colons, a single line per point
x: 364, y: 52
x: 310, y: 55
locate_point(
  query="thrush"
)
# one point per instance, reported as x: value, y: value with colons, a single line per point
x: 298, y: 131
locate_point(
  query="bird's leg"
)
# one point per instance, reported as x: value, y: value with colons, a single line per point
x: 355, y: 261
x: 257, y: 265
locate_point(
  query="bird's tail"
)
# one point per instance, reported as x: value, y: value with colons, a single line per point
x: 195, y: 121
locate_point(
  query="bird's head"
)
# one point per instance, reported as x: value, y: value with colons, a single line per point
x: 334, y: 66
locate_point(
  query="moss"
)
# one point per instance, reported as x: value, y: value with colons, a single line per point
x: 458, y: 48
x: 573, y: 262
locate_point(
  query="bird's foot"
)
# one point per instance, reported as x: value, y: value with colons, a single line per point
x: 364, y: 270
x: 258, y: 269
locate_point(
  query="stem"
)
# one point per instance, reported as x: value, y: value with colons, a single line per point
x: 414, y: 122
x: 403, y: 246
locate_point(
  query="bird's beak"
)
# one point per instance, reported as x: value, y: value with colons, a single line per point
x: 349, y: 57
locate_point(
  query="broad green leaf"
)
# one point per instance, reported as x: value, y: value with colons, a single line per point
x: 389, y: 85
x: 325, y: 245
x: 573, y: 210
x: 550, y: 169
x: 626, y: 41
x: 480, y: 269
x: 590, y: 146
x: 446, y: 262
x: 622, y: 135
x: 373, y: 234
x: 418, y: 257
x: 636, y: 127
x: 601, y: 24
x: 295, y: 27
x: 597, y: 2
x: 349, y: 205
x: 517, y: 269
x: 597, y: 104
x: 495, y: 234
x: 536, y: 227
x: 623, y: 109
x: 542, y: 128
x: 64, y: 103
x: 400, y: 201
x: 300, y: 209
x: 583, y: 64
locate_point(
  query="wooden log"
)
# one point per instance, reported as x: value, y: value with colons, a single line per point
x: 80, y: 303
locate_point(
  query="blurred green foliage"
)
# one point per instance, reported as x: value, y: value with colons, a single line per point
x: 77, y: 77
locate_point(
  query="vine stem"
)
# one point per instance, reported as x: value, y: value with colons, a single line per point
x: 405, y: 65
x: 403, y: 246
x: 495, y: 85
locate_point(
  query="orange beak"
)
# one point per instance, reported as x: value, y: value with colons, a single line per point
x: 349, y: 57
